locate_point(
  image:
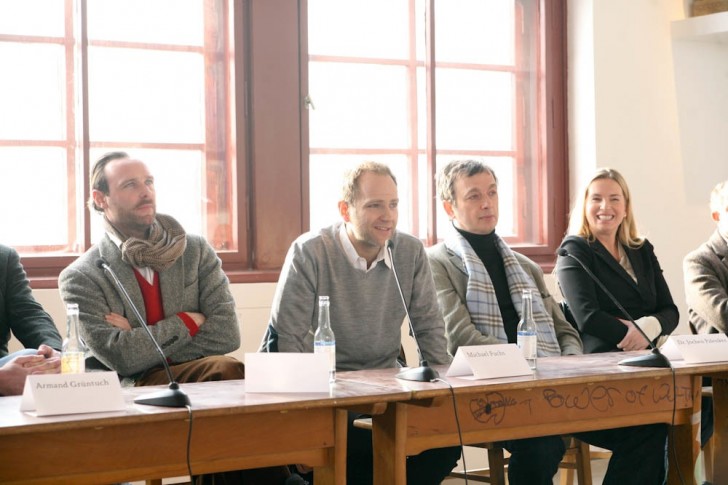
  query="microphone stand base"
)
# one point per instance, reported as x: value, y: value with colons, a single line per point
x: 171, y: 398
x: 653, y: 359
x: 419, y: 374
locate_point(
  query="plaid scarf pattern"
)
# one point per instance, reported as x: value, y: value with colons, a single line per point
x: 482, y: 302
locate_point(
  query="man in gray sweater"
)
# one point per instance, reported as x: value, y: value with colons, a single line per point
x: 348, y: 262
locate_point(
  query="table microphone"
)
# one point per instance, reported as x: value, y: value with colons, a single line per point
x: 423, y: 373
x: 173, y: 397
x: 653, y: 359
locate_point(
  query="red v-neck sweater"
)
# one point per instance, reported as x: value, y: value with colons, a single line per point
x: 152, y: 294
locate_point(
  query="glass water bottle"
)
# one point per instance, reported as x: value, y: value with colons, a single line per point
x: 324, y: 341
x: 526, y: 340
x: 73, y: 352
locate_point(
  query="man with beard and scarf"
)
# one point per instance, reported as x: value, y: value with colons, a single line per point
x: 175, y: 280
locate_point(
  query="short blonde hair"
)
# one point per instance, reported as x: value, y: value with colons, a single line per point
x: 350, y: 187
x: 627, y: 233
x: 719, y: 197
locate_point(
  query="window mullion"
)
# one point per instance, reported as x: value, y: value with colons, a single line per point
x: 431, y: 117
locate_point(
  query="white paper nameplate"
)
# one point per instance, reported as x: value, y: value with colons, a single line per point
x: 696, y: 349
x: 488, y: 362
x: 286, y: 372
x: 91, y: 392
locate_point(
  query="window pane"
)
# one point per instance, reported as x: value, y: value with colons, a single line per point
x: 40, y: 219
x: 358, y: 105
x: 474, y: 110
x: 358, y: 28
x: 24, y: 17
x: 160, y: 86
x: 327, y: 172
x: 32, y: 94
x: 486, y: 104
x: 475, y: 31
x: 146, y: 96
x: 158, y: 22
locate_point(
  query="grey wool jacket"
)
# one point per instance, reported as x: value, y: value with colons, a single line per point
x: 194, y: 283
x: 451, y: 281
x: 706, y: 286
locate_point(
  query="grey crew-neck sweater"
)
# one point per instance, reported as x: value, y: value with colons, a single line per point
x: 366, y: 310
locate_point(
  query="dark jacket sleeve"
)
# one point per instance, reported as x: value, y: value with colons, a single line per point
x: 20, y: 313
x: 597, y: 317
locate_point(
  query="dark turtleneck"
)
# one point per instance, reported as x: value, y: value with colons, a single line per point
x: 485, y: 248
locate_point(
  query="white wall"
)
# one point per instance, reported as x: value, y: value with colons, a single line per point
x: 631, y: 114
x: 623, y: 113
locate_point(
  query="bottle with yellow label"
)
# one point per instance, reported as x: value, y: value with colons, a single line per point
x: 73, y: 352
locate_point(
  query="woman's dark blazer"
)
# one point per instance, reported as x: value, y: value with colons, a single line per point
x: 593, y: 312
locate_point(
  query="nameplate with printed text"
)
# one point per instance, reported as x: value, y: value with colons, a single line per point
x: 488, y: 362
x: 286, y: 372
x: 90, y: 392
x: 697, y: 349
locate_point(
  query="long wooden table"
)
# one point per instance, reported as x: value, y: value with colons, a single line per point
x: 565, y: 395
x: 230, y: 430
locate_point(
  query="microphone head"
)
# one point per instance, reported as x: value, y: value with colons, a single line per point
x: 562, y: 252
x: 101, y: 262
x: 390, y: 244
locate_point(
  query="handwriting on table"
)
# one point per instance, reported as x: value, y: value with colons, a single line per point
x: 493, y: 407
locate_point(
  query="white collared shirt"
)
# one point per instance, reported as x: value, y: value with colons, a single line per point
x: 146, y: 272
x: 357, y: 261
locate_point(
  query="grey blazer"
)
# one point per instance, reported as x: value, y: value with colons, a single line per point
x: 706, y: 286
x: 195, y: 283
x: 451, y: 281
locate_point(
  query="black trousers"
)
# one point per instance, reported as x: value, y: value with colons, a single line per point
x: 534, y: 461
x: 638, y: 453
x: 430, y: 467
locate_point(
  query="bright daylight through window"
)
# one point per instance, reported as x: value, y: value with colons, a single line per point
x: 88, y: 77
x: 371, y: 78
x: 248, y: 111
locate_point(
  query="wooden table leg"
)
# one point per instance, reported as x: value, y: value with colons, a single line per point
x: 720, y: 433
x: 389, y: 433
x: 683, y: 441
x: 334, y: 472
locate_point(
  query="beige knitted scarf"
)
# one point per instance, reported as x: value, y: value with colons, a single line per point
x: 166, y: 242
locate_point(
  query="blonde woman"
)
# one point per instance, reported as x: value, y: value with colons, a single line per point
x: 603, y: 235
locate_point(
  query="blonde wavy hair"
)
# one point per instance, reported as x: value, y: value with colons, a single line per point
x: 627, y: 233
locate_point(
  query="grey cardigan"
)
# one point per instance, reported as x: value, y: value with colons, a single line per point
x: 194, y: 283
x: 451, y: 280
